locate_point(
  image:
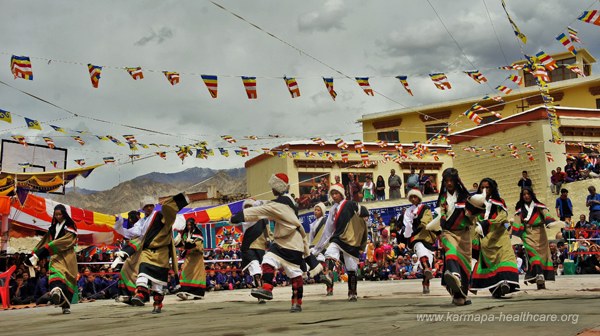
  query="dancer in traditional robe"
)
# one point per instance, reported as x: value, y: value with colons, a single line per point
x: 530, y: 223
x: 255, y: 242
x: 128, y: 269
x: 316, y: 231
x: 193, y: 273
x: 496, y: 268
x: 59, y: 244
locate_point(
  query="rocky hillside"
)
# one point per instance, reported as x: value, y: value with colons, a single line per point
x: 126, y: 196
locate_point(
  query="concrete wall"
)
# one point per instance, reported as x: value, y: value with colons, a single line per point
x: 257, y: 176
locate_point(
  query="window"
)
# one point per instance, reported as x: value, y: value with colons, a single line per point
x: 562, y: 73
x: 435, y: 129
x: 598, y: 103
x: 310, y: 180
x: 390, y: 136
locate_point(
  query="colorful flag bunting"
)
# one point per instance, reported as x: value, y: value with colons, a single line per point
x: 344, y: 156
x: 114, y: 140
x: 132, y: 146
x: 474, y: 117
x: 364, y: 156
x: 516, y: 79
x: 546, y: 60
x: 163, y: 155
x: 49, y: 142
x: 440, y: 80
x: 211, y: 82
x: 250, y: 86
x: 136, y: 73
x: 224, y: 152
x: 404, y: 81
x: 341, y: 143
x: 134, y: 156
x: 477, y: 76
x: 318, y: 141
x: 292, y: 86
x: 562, y: 38
x: 504, y: 89
x: 58, y: 129
x: 172, y: 77
x: 576, y: 70
x: 573, y: 34
x: 108, y: 159
x: 79, y: 140
x: 129, y: 138
x: 358, y: 145
x: 329, y: 86
x: 382, y: 143
x: 228, y: 138
x: 541, y: 74
x: 451, y: 153
x: 363, y: 82
x: 5, y: 116
x: 33, y: 124
x: 20, y: 139
x: 516, y: 30
x: 244, y: 151
x: 592, y: 17
x: 80, y: 162
x: 95, y: 72
x: 20, y: 66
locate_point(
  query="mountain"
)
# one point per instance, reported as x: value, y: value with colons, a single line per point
x: 127, y: 195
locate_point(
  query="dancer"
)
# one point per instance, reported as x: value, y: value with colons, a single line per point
x: 316, y: 231
x: 420, y: 240
x: 156, y: 249
x: 530, y: 222
x: 254, y: 244
x: 344, y: 235
x: 496, y: 268
x: 128, y: 269
x: 193, y: 273
x: 456, y: 235
x: 290, y: 245
x: 59, y: 244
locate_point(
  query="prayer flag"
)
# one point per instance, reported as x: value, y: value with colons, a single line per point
x: 440, y: 80
x: 136, y: 73
x: 250, y: 86
x: 292, y: 86
x: 211, y: 82
x: 172, y: 77
x: 564, y: 40
x: 363, y: 82
x: 95, y: 72
x: 404, y: 81
x: 20, y: 66
x: 329, y: 86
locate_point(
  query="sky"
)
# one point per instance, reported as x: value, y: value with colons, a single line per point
x: 315, y: 38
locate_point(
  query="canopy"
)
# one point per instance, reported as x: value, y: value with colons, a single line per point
x: 41, y: 182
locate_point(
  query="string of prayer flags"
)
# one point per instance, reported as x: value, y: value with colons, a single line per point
x: 474, y: 117
x: 132, y: 146
x: 135, y: 73
x: 115, y: 140
x: 129, y: 138
x: 80, y: 162
x: 440, y: 80
x: 172, y: 77
x: 224, y: 152
x: 54, y: 164
x: 228, y: 138
x: 382, y: 143
x: 318, y: 141
x: 517, y: 79
x: 516, y: 29
x: 344, y: 156
x: 79, y: 140
x: 341, y: 143
x: 358, y: 145
x: 504, y: 89
x: 250, y: 86
x: 363, y: 82
x: 573, y: 34
x: 592, y: 17
x: 576, y: 70
x: 292, y: 86
x: 541, y: 74
x: 20, y: 66
x: 49, y: 142
x: 20, y: 139
x: 404, y: 81
x: 33, y: 124
x: 95, y: 72
x: 546, y: 60
x: 477, y: 76
x: 5, y: 116
x: 566, y: 42
x: 162, y: 155
x: 58, y: 129
x: 364, y: 156
x: 211, y: 82
x: 329, y: 86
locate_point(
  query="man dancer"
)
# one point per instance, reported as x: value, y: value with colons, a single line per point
x: 156, y: 249
x: 346, y: 233
x: 290, y: 245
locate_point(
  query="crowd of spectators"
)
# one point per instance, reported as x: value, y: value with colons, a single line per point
x: 577, y: 169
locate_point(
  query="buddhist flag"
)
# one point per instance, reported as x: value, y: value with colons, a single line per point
x: 224, y: 152
x: 516, y: 79
x: 573, y: 35
x: 132, y: 146
x: 228, y: 138
x: 364, y: 156
x: 250, y: 86
x: 451, y: 153
x: 172, y: 77
x: 441, y: 81
x: 95, y: 72
x: 143, y: 145
x: 404, y: 81
x: 20, y: 139
x: 576, y: 70
x: 211, y: 83
x: 54, y: 164
x: 564, y: 40
x: 474, y: 117
x: 130, y: 138
x: 386, y: 155
x: 541, y: 74
x: 80, y: 162
x: 5, y: 116
x: 592, y: 17
x: 477, y: 76
x: 58, y: 129
x: 163, y: 155
x: 318, y: 141
x: 329, y: 86
x: 33, y: 124
x: 292, y: 86
x: 546, y: 60
x: 49, y: 142
x: 363, y: 82
x: 549, y: 157
x: 136, y: 73
x: 518, y: 33
x: 79, y: 140
x: 341, y: 143
x: 20, y: 66
x: 109, y: 159
x: 115, y: 140
x: 244, y: 151
x: 358, y: 145
x: 382, y: 143
x: 503, y: 89
x: 101, y: 137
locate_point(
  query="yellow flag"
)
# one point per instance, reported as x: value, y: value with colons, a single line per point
x: 33, y: 124
x: 5, y: 116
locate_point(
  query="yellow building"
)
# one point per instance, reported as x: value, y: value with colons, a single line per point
x: 422, y: 122
x: 306, y: 163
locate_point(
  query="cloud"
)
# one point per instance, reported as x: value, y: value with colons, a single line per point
x: 162, y: 35
x: 328, y: 18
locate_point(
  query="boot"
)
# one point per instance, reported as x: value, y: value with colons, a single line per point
x: 540, y: 281
x: 141, y: 296
x: 262, y: 293
x: 158, y: 299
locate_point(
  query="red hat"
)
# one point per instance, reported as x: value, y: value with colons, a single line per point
x: 279, y: 182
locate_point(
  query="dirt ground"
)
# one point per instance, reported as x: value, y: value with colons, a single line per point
x: 383, y: 308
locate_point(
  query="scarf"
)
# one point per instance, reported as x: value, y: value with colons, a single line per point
x: 409, y: 216
x: 529, y: 208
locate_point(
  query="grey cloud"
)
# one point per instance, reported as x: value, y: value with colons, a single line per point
x: 330, y: 17
x: 162, y: 35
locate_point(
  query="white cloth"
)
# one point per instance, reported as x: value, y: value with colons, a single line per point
x: 529, y: 208
x: 409, y: 216
x: 143, y: 282
x: 253, y: 268
x: 327, y: 230
x: 59, y: 227
x: 313, y: 228
x: 334, y: 251
x: 423, y: 251
x: 451, y: 200
x: 138, y: 229
x: 291, y: 270
x: 488, y: 209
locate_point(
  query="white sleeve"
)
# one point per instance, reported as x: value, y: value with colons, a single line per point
x: 135, y: 231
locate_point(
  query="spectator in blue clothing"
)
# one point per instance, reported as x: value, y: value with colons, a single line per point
x: 564, y: 207
x: 593, y: 202
x: 41, y: 287
x: 221, y: 280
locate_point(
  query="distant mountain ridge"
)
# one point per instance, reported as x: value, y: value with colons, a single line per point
x: 127, y: 195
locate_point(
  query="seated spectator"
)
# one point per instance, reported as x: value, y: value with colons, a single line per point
x: 89, y: 290
x: 583, y: 223
x: 417, y: 268
x: 572, y: 171
x: 591, y: 265
x: 20, y: 291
